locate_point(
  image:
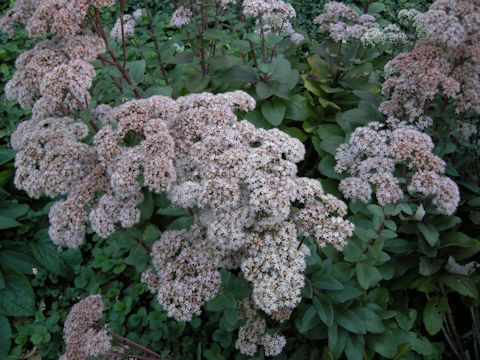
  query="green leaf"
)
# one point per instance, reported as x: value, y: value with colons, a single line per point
x: 241, y: 289
x: 308, y: 321
x: 461, y: 284
x: 17, y: 257
x: 8, y: 222
x: 327, y: 167
x: 241, y: 74
x: 18, y: 298
x: 295, y: 132
x: 181, y: 223
x: 307, y: 290
x: 6, y: 333
x: 146, y: 207
x: 376, y: 8
x: 14, y: 210
x: 280, y: 69
x: 337, y: 339
x: 216, y: 34
x: 355, y: 347
x: 429, y: 266
x: 263, y: 90
x: 383, y: 344
x: 297, y: 108
x: 349, y: 320
x: 224, y: 62
x: 373, y: 323
x: 231, y: 315
x: 273, y: 112
x: 151, y: 233
x: 138, y: 257
x: 429, y: 232
x: 197, y: 82
x: 331, y: 143
x: 367, y: 274
x: 376, y: 210
x: 136, y: 70
x: 433, y: 314
x: 49, y: 256
x: 324, y: 309
x: 6, y: 155
x: 158, y: 90
x: 325, y: 282
x: 455, y: 238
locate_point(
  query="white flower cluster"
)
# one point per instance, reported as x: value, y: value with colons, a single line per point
x: 252, y: 210
x: 80, y: 332
x: 376, y: 155
x: 390, y: 35
x: 129, y: 23
x: 254, y: 333
x: 62, y: 17
x: 411, y: 18
x: 341, y: 22
x: 273, y: 16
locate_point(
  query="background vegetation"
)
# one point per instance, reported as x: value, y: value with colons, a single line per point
x: 404, y: 288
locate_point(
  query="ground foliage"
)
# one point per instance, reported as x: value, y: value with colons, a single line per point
x: 402, y: 288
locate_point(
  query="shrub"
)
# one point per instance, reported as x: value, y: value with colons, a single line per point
x: 192, y: 157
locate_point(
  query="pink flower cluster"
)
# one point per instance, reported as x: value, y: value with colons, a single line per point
x: 378, y: 156
x: 444, y: 62
x: 341, y: 22
x: 251, y: 211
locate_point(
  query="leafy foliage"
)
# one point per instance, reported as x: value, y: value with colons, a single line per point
x: 406, y: 283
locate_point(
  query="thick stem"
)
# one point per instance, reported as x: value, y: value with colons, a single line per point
x: 451, y: 323
x: 477, y: 136
x: 252, y: 49
x: 97, y: 26
x: 134, y: 344
x: 262, y: 36
x: 155, y: 41
x: 124, y: 47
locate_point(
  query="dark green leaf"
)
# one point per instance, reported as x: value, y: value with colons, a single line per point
x: 324, y: 309
x: 433, y: 314
x: 5, y: 334
x: 326, y: 282
x: 18, y: 298
x: 367, y: 274
x: 461, y: 284
x: 8, y: 222
x: 383, y: 344
x: 429, y: 232
x: 349, y: 320
x: 373, y: 323
x: 49, y: 256
x: 273, y: 112
x: 308, y: 321
x: 297, y: 108
x: 136, y: 70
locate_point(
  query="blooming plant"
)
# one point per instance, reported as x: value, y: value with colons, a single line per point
x: 203, y: 180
